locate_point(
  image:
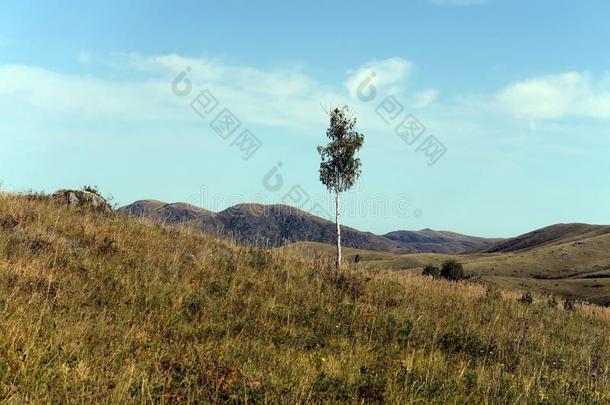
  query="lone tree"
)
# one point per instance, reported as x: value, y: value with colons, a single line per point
x: 339, y: 168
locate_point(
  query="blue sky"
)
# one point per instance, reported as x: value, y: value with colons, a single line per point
x: 517, y: 92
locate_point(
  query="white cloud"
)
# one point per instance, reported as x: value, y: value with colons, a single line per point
x: 287, y: 98
x: 277, y: 82
x: 279, y: 98
x: 284, y: 98
x: 80, y: 97
x: 572, y: 94
x: 387, y: 75
x: 137, y: 98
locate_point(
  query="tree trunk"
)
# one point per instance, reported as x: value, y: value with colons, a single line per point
x: 338, y: 231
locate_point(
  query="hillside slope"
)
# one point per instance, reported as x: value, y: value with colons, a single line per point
x: 579, y: 268
x: 550, y: 235
x: 430, y: 241
x: 278, y: 225
x: 98, y: 308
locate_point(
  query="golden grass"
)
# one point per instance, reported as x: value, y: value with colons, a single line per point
x: 573, y: 269
x: 108, y: 309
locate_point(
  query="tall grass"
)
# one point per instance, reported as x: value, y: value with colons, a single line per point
x: 98, y: 308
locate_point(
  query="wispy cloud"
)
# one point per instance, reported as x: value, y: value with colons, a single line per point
x: 571, y: 94
x: 284, y: 98
x: 388, y: 75
x: 289, y: 98
x: 80, y: 97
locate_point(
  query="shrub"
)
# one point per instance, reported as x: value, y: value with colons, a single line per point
x: 452, y: 270
x: 527, y: 298
x: 432, y: 271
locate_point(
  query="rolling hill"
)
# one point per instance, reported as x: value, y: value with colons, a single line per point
x: 104, y: 308
x: 550, y: 235
x: 278, y: 225
x: 562, y: 260
x: 430, y: 241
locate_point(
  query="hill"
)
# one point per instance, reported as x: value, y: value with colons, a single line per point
x: 570, y: 267
x: 278, y: 225
x: 430, y: 241
x: 105, y: 308
x: 551, y: 235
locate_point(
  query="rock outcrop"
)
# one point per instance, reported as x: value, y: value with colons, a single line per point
x: 83, y: 199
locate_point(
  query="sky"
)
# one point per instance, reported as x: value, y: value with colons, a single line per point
x: 485, y: 117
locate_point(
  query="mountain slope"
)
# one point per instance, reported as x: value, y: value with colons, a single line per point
x: 277, y: 225
x: 431, y: 241
x: 550, y: 235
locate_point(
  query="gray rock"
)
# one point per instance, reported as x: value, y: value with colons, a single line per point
x: 80, y: 198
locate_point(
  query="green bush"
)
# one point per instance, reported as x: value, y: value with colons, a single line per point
x: 452, y: 270
x: 432, y: 271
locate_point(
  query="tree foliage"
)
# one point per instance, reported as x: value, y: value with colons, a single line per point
x: 339, y: 168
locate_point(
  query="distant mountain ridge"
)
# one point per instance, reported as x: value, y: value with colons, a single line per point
x: 429, y: 240
x: 278, y: 225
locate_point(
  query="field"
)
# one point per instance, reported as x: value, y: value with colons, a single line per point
x: 575, y: 268
x: 103, y: 308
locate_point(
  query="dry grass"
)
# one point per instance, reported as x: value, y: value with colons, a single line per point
x: 572, y: 269
x: 103, y: 309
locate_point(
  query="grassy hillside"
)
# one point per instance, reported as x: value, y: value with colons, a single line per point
x: 551, y: 235
x: 99, y: 308
x: 578, y: 268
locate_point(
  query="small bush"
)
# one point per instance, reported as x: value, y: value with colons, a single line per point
x: 452, y: 270
x: 432, y: 271
x: 552, y: 302
x: 527, y: 298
